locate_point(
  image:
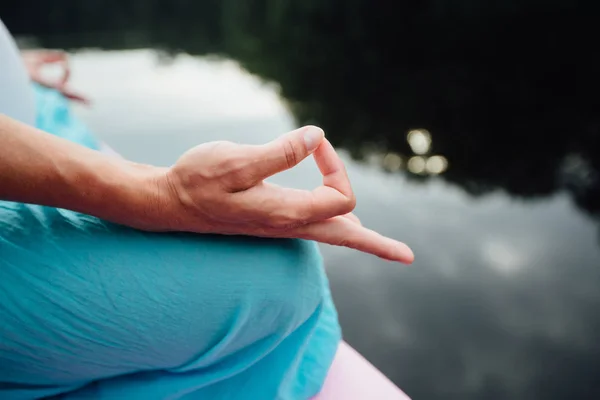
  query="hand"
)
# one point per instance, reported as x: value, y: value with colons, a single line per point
x: 219, y: 187
x: 34, y: 61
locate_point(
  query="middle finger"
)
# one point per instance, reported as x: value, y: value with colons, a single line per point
x: 340, y: 231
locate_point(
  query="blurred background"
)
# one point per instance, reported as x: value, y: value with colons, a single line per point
x: 471, y: 131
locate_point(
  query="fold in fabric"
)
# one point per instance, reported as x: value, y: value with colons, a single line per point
x: 91, y: 309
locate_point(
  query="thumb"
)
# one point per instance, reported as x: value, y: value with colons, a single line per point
x: 284, y: 152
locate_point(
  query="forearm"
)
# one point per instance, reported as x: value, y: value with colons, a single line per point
x: 39, y: 168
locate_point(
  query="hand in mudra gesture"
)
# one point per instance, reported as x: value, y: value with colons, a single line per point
x: 36, y: 60
x: 219, y: 187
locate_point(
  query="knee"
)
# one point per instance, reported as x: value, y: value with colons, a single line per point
x: 289, y: 284
x: 254, y: 295
x: 159, y: 301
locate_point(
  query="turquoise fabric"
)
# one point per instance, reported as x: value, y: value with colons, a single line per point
x: 54, y: 115
x: 89, y: 309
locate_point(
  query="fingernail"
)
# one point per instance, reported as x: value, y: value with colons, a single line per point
x: 313, y: 137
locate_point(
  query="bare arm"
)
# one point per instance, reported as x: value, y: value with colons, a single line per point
x: 216, y: 187
x: 39, y: 168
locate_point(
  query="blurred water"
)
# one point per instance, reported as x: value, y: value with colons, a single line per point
x: 502, y: 300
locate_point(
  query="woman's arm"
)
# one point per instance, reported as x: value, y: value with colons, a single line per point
x: 217, y: 187
x: 39, y: 168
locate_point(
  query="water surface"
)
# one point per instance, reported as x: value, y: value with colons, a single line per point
x: 471, y: 131
x: 503, y: 299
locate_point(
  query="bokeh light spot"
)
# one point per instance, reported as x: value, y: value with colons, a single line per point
x: 419, y: 141
x: 416, y: 165
x: 392, y: 162
x: 436, y: 165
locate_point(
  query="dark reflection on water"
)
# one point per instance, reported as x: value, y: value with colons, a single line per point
x: 503, y: 301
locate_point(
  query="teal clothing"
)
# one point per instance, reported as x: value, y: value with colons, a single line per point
x: 53, y: 115
x: 90, y: 309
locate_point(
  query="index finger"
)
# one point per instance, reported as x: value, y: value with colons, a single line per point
x: 332, y: 168
x: 291, y: 207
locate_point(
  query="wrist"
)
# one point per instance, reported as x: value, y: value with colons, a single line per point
x: 115, y: 190
x: 142, y: 199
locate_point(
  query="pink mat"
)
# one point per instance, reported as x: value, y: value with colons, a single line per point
x: 352, y: 377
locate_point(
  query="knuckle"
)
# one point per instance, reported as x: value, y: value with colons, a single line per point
x: 208, y: 161
x: 283, y: 223
x: 352, y: 202
x: 292, y: 156
x: 286, y: 220
x: 233, y: 164
x: 349, y: 204
x: 229, y: 160
x: 343, y: 243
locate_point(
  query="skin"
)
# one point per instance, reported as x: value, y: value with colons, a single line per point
x: 35, y: 60
x: 216, y: 187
